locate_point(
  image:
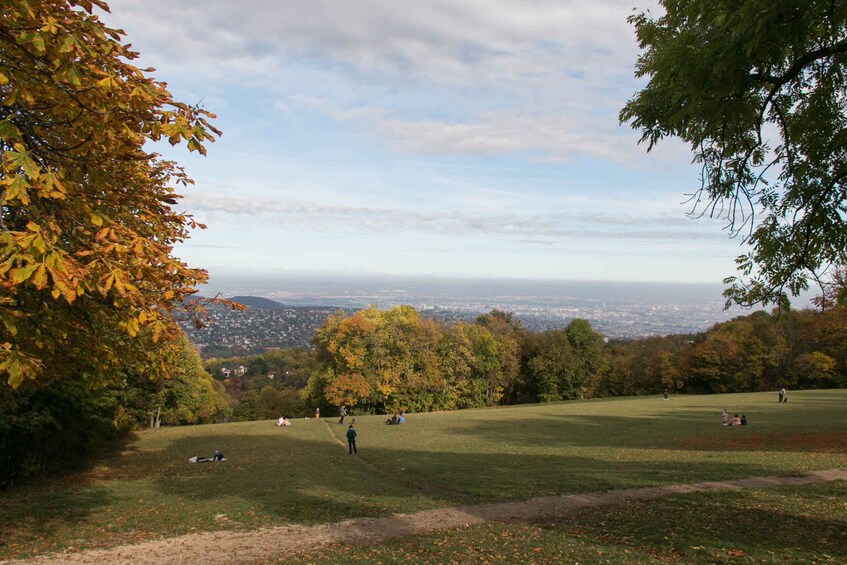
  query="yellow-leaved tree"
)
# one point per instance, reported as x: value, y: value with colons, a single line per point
x: 87, y: 218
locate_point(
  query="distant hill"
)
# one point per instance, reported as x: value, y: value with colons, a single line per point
x: 257, y: 302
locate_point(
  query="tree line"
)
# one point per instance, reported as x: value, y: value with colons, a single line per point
x: 382, y: 361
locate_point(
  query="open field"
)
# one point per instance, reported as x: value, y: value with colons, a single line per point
x: 300, y: 475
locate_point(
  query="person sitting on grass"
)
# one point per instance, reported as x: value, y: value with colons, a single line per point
x: 736, y: 421
x: 218, y: 456
x: 401, y: 419
x: 743, y: 420
x: 283, y: 421
x: 393, y: 420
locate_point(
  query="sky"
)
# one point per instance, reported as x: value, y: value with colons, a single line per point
x: 455, y: 138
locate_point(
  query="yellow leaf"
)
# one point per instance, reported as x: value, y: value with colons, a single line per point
x: 17, y: 190
x: 39, y: 277
x: 96, y: 220
x: 106, y: 83
x: 21, y: 274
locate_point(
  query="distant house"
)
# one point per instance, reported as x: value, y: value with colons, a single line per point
x: 225, y: 372
x: 239, y: 372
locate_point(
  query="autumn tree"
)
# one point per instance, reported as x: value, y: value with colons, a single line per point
x: 189, y: 394
x: 382, y: 360
x: 88, y: 219
x: 562, y: 364
x: 815, y: 370
x: 395, y: 360
x: 470, y: 365
x: 550, y: 368
x: 509, y: 334
x: 757, y: 89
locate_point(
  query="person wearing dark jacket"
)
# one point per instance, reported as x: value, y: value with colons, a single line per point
x: 351, y: 440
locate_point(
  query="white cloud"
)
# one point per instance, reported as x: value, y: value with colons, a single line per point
x: 446, y: 40
x: 544, y: 79
x: 550, y: 227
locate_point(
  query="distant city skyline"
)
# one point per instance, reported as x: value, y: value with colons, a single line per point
x: 448, y: 138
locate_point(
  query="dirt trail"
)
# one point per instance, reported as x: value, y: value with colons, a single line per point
x: 275, y: 543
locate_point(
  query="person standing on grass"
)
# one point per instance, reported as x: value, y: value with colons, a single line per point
x: 725, y: 417
x: 317, y: 413
x: 342, y: 412
x: 351, y: 440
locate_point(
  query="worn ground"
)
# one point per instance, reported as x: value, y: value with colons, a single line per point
x: 275, y: 543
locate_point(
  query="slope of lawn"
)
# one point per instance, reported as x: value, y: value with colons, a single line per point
x: 535, y: 450
x: 300, y: 474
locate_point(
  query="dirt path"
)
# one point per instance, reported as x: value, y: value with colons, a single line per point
x: 275, y: 543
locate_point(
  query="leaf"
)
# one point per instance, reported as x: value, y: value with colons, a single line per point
x: 8, y: 130
x: 39, y: 277
x: 108, y: 83
x: 21, y: 274
x: 38, y: 42
x: 72, y: 76
x: 19, y: 157
x: 17, y: 190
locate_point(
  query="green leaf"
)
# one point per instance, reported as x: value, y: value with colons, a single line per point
x: 8, y: 130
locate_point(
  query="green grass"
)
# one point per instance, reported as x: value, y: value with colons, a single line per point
x: 276, y: 476
x: 785, y: 525
x: 521, y: 452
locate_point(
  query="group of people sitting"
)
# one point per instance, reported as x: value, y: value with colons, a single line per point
x: 283, y: 421
x: 735, y: 421
x: 396, y: 419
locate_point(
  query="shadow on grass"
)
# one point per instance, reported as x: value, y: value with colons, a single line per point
x: 768, y: 526
x: 293, y: 479
x: 33, y: 512
x: 41, y: 515
x: 804, y: 525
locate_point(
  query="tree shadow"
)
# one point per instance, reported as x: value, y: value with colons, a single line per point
x: 718, y: 527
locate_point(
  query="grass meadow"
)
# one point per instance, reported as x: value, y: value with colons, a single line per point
x: 300, y: 474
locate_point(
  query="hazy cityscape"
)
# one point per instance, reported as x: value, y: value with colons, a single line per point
x: 295, y: 306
